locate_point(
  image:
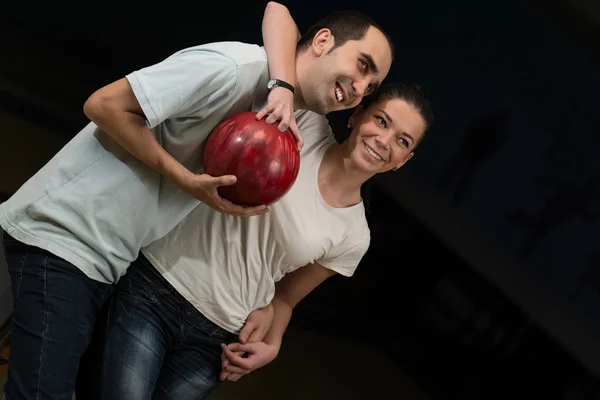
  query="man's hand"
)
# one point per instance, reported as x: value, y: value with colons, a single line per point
x: 204, y: 188
x: 280, y: 107
x: 257, y: 325
x: 235, y: 366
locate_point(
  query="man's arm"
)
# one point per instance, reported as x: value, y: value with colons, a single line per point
x: 166, y: 90
x: 116, y: 110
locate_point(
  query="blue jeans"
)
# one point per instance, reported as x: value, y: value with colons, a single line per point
x: 153, y: 344
x: 55, y: 308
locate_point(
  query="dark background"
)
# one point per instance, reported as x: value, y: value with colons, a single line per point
x: 483, y: 276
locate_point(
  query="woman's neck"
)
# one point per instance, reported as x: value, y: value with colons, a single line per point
x: 339, y: 180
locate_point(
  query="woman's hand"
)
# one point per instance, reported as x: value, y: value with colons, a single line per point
x: 280, y: 107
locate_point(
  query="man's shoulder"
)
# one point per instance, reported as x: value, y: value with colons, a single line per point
x: 242, y: 54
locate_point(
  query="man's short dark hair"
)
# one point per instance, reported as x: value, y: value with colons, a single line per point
x: 344, y: 26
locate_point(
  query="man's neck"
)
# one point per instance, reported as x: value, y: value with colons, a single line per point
x: 302, y: 62
x: 299, y: 103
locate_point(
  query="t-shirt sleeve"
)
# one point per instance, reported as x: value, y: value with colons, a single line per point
x: 345, y: 259
x: 313, y: 128
x: 190, y: 83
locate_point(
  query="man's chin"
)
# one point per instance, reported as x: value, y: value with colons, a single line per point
x: 334, y: 107
x: 323, y: 109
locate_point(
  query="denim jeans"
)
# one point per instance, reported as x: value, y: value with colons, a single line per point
x: 55, y: 308
x: 153, y: 345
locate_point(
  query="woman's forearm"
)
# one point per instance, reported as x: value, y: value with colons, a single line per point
x: 283, y: 315
x: 280, y: 37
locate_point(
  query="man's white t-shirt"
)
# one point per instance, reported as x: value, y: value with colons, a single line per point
x: 94, y: 204
x: 227, y: 266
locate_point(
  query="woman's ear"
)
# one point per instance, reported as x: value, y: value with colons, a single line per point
x: 357, y: 112
x: 408, y: 157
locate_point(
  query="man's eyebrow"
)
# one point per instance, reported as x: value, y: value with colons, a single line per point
x: 370, y: 61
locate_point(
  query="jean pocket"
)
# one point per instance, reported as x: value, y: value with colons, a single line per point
x: 134, y: 289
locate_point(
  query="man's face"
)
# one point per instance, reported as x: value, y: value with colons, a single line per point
x: 338, y: 79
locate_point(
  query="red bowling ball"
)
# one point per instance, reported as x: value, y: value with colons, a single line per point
x: 265, y: 160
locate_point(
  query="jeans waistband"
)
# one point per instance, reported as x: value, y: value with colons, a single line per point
x: 182, y: 305
x: 12, y: 244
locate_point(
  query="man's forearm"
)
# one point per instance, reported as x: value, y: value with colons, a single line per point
x: 283, y: 314
x: 131, y: 132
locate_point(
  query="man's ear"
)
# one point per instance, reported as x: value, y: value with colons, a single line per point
x: 322, y: 42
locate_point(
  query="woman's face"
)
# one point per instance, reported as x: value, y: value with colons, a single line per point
x: 384, y: 135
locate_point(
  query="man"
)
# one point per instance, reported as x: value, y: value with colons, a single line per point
x: 194, y: 288
x: 128, y: 178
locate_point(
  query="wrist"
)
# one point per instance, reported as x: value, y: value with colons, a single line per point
x: 182, y: 177
x: 275, y: 343
x: 282, y: 90
x: 275, y: 83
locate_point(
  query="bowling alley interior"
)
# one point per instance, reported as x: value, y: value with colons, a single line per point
x: 481, y: 279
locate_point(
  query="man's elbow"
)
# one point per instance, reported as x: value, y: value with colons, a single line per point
x: 111, y: 99
x: 90, y: 106
x: 97, y: 105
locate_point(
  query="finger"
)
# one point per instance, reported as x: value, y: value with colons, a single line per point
x: 234, y: 377
x: 235, y: 209
x: 255, y: 336
x: 234, y: 369
x: 243, y: 211
x: 246, y: 331
x: 284, y: 125
x: 242, y: 348
x: 273, y: 117
x: 266, y: 110
x: 224, y: 375
x: 296, y: 132
x: 225, y: 180
x: 225, y: 362
x: 235, y: 359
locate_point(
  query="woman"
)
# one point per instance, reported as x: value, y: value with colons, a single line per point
x: 386, y: 129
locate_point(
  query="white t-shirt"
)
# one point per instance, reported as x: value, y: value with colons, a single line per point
x: 94, y: 204
x: 227, y: 266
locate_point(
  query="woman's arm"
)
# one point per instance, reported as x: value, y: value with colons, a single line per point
x: 292, y: 288
x: 280, y: 36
